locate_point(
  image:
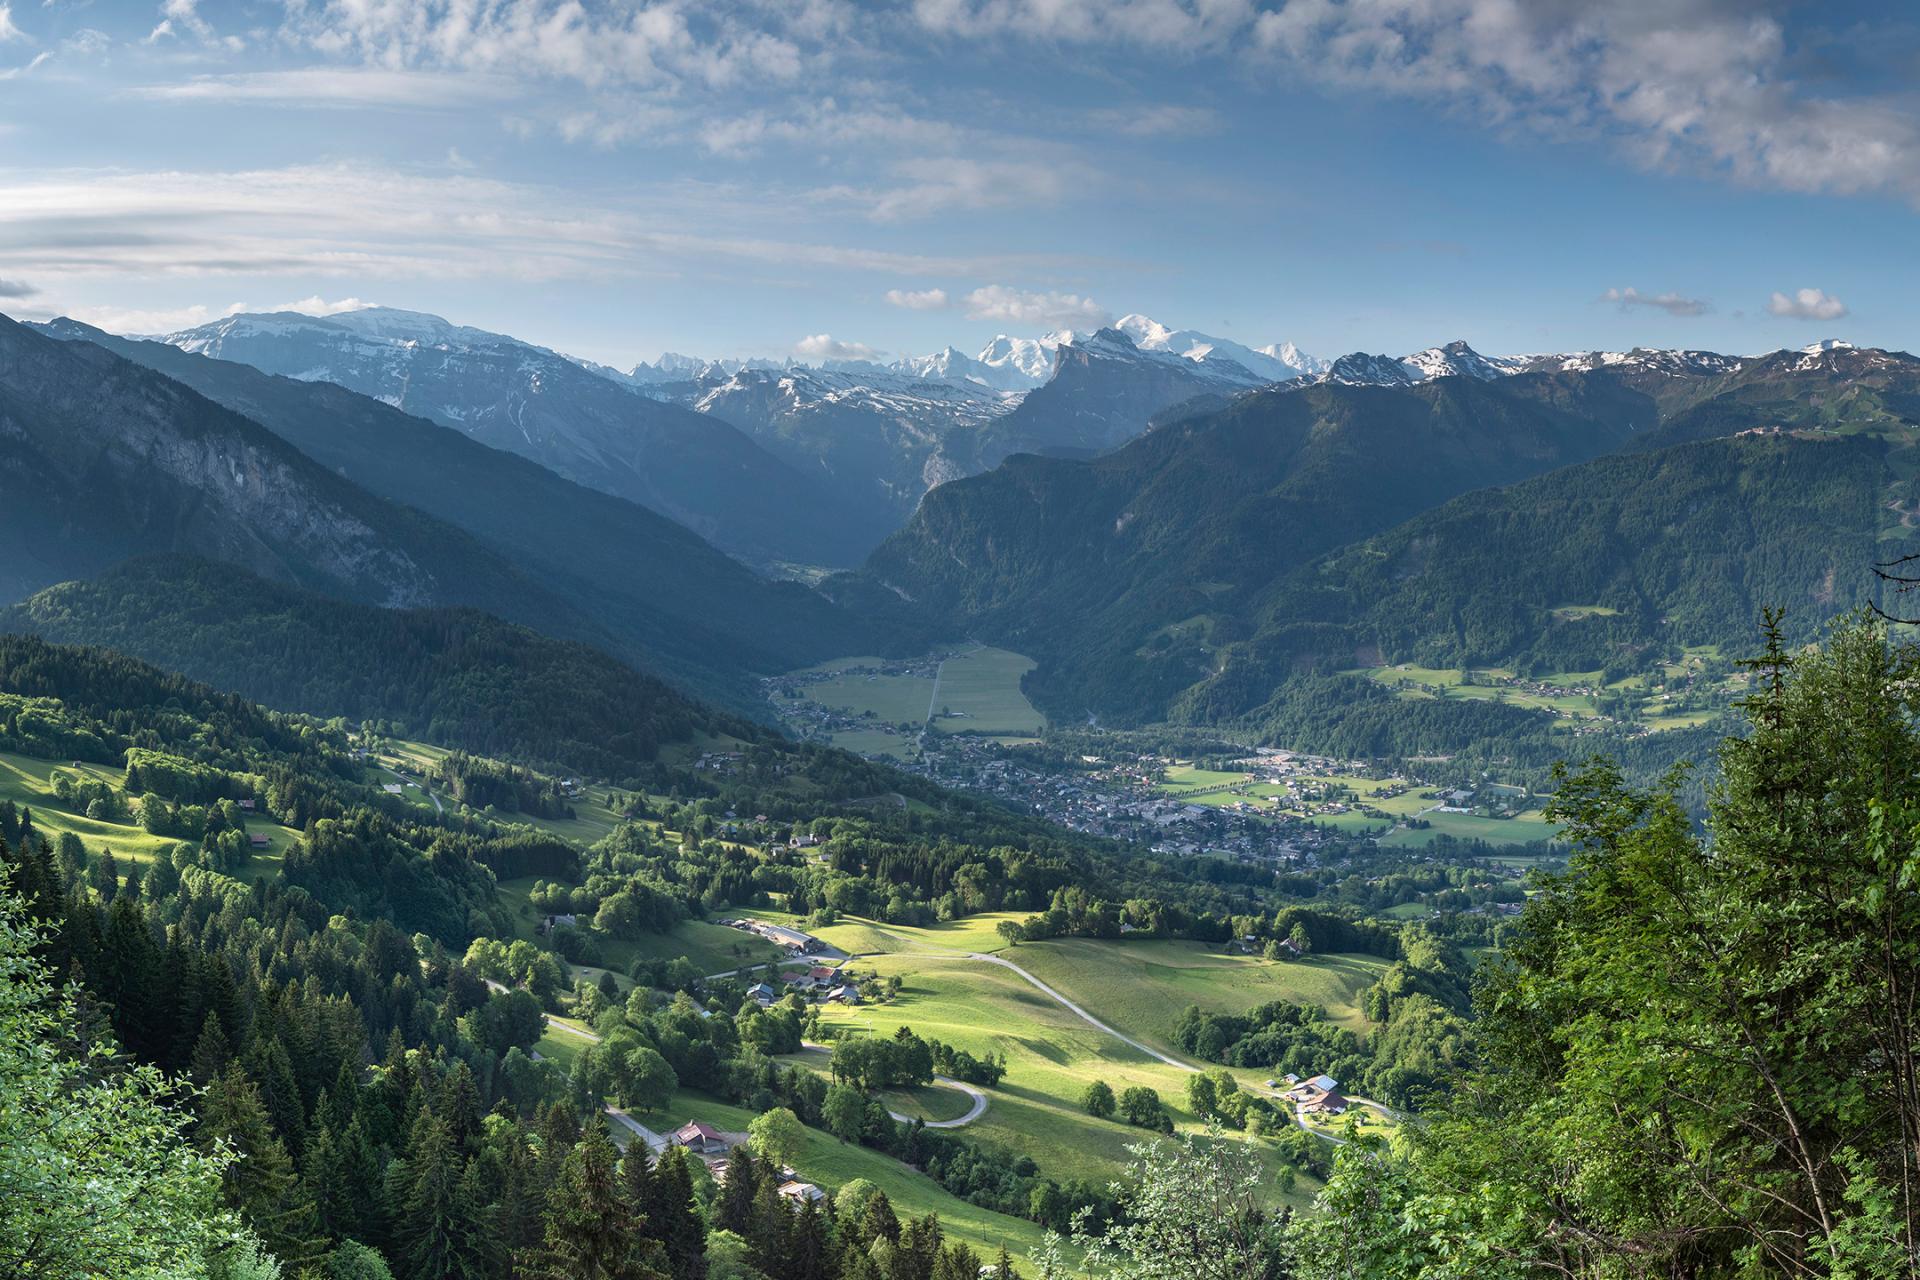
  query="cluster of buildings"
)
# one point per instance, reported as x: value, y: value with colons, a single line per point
x: 792, y: 941
x: 1318, y: 1096
x: 712, y: 1147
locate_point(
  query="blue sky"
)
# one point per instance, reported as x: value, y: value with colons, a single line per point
x: 617, y: 177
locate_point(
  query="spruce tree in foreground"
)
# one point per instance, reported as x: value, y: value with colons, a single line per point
x: 1702, y: 1050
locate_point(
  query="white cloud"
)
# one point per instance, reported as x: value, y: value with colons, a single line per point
x: 1806, y: 304
x: 134, y: 320
x: 348, y: 221
x: 1673, y: 304
x: 953, y: 184
x: 1158, y: 120
x: 8, y: 30
x: 1181, y: 25
x: 824, y: 346
x: 1023, y: 307
x: 1702, y: 85
x: 919, y: 299
x: 13, y: 73
x: 332, y: 87
x: 315, y: 305
x: 593, y: 45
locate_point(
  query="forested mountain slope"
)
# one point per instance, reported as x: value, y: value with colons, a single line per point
x: 663, y: 596
x: 456, y: 677
x: 1123, y: 574
x: 1617, y: 563
x: 105, y: 459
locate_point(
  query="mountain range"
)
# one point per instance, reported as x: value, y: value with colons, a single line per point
x: 505, y: 534
x: 779, y: 463
x: 1193, y: 572
x: 525, y: 399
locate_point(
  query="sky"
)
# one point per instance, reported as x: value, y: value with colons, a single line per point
x: 825, y: 178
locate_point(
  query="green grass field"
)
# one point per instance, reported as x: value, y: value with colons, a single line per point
x: 832, y: 1164
x: 711, y: 948
x: 1142, y: 987
x: 857, y: 935
x: 28, y: 783
x: 1522, y: 829
x: 975, y: 691
x: 1052, y: 1055
x: 980, y: 693
x: 928, y: 1102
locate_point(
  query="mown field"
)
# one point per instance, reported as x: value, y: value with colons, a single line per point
x: 1142, y: 987
x: 857, y: 935
x: 1052, y: 1056
x: 975, y: 691
x: 712, y: 948
x: 27, y: 782
x: 831, y: 1164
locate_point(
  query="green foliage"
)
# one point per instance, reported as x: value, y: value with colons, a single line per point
x: 96, y: 1175
x: 1699, y: 1053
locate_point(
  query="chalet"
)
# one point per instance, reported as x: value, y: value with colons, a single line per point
x: 844, y: 994
x: 258, y: 841
x: 246, y: 804
x: 820, y: 974
x: 701, y: 1139
x: 391, y: 788
x: 1330, y: 1103
x: 559, y: 921
x: 762, y: 993
x: 798, y: 981
x: 799, y: 1192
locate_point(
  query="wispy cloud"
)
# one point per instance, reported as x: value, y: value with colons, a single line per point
x: 1157, y: 120
x: 357, y: 87
x: 315, y: 305
x: 824, y: 346
x: 919, y: 299
x: 1673, y: 304
x: 1806, y: 304
x: 1026, y: 307
x: 9, y: 32
x: 351, y: 221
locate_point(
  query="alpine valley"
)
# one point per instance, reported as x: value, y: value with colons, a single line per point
x: 1096, y: 805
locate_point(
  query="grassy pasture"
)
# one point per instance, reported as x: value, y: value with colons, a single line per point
x: 975, y: 691
x: 831, y: 1164
x: 982, y: 690
x: 1523, y: 829
x: 1142, y: 987
x: 857, y: 935
x: 27, y: 782
x: 1052, y: 1055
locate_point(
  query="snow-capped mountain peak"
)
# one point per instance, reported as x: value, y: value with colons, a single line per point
x: 1457, y: 359
x: 1272, y: 363
x: 1826, y: 344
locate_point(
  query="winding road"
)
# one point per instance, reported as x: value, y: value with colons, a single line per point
x: 974, y: 1112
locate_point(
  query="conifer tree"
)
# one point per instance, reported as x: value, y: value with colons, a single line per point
x: 441, y: 1231
x: 734, y: 1211
x: 672, y: 1218
x: 590, y: 1226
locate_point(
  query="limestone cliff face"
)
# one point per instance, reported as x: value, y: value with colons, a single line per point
x: 101, y: 459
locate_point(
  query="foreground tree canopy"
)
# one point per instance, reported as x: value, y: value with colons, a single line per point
x: 1700, y: 1056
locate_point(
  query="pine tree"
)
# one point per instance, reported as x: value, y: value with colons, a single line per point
x: 211, y: 1052
x: 672, y: 1218
x: 810, y: 1251
x: 590, y: 1232
x: 737, y: 1188
x: 769, y: 1227
x: 441, y: 1230
x: 260, y: 1183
